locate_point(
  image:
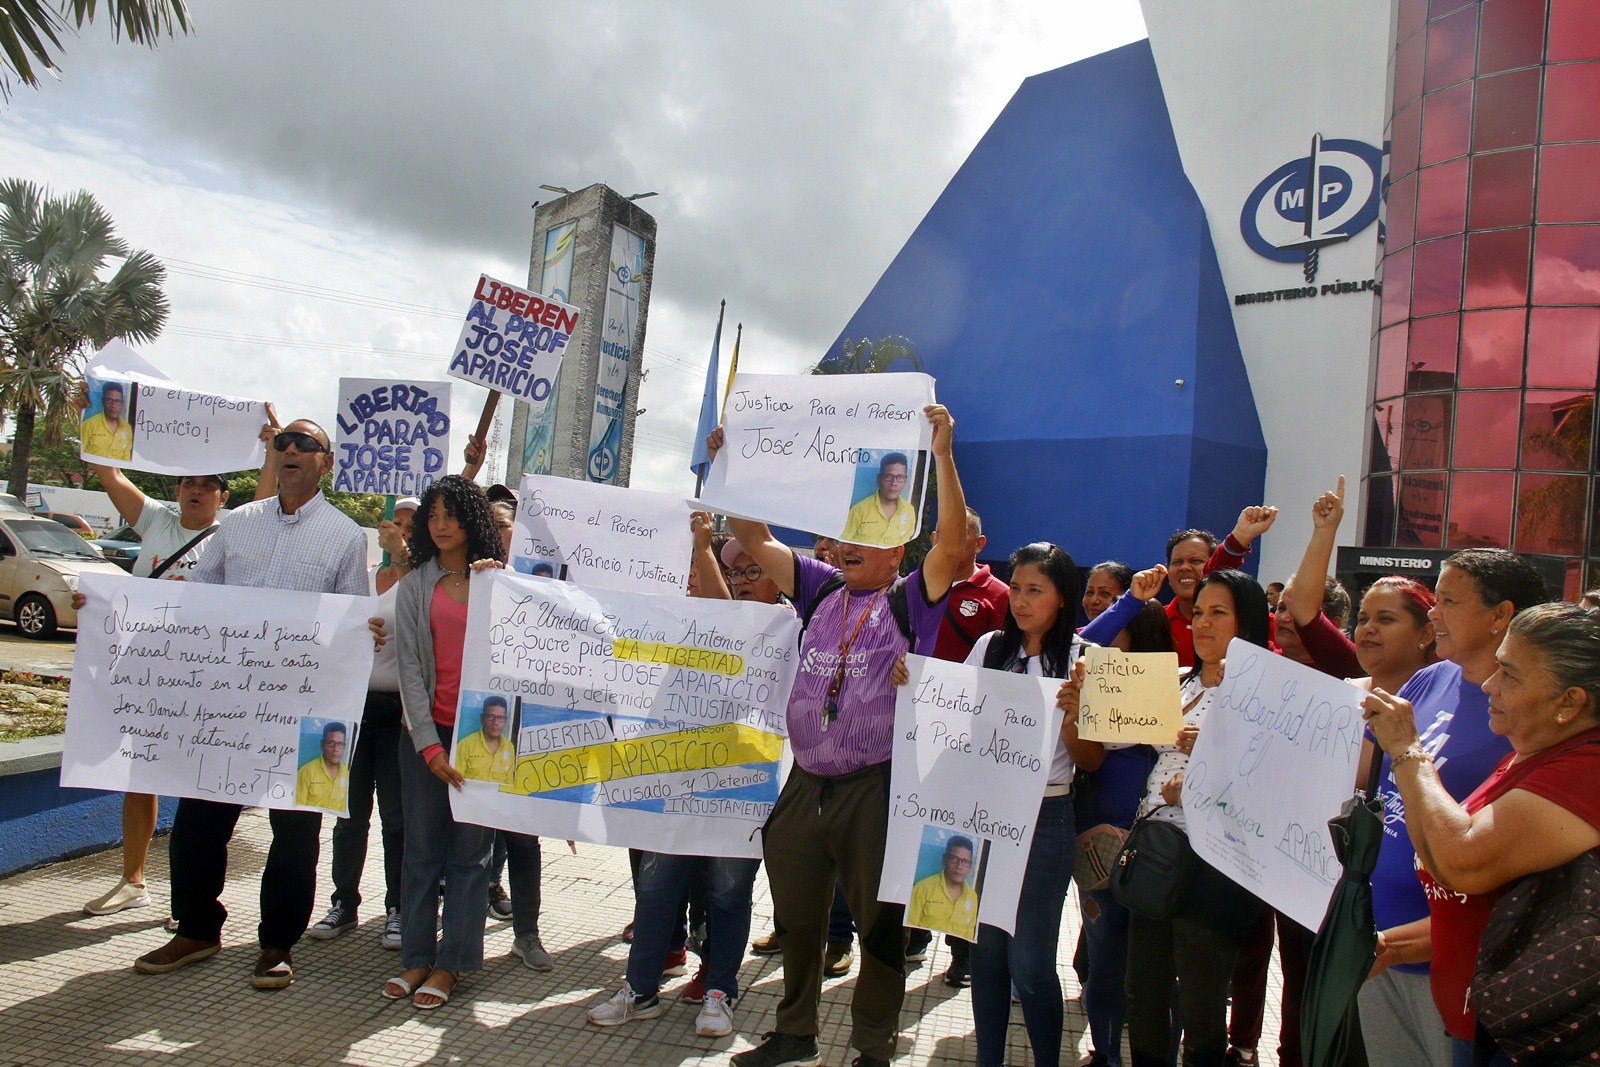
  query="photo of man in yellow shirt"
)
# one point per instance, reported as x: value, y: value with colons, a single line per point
x: 945, y: 900
x: 485, y: 755
x: 884, y: 519
x: 325, y: 781
x: 107, y: 434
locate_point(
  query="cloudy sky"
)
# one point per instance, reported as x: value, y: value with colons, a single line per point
x: 326, y: 181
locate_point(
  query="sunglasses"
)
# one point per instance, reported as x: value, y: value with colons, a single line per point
x: 303, y: 442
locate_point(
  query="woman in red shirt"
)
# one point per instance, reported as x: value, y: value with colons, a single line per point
x: 1538, y: 810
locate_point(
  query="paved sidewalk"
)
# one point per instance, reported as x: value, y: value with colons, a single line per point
x: 69, y: 995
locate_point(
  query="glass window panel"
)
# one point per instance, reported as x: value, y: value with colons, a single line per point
x: 1572, y: 587
x: 1574, y: 30
x: 1446, y: 123
x: 1400, y: 217
x: 1594, y: 537
x: 1437, y: 286
x: 1396, y: 287
x: 1425, y: 437
x: 1568, y: 187
x: 1413, y: 13
x: 1491, y: 348
x: 1442, y: 200
x: 1437, y: 8
x: 1563, y: 348
x: 1513, y: 35
x: 1452, y: 49
x: 1405, y: 137
x: 1550, y: 513
x: 1431, y: 359
x: 1392, y: 361
x: 1387, y: 416
x: 1480, y: 510
x: 1502, y: 189
x: 1557, y: 430
x: 1408, y: 68
x: 1493, y: 421
x: 1420, y: 515
x: 1380, y: 512
x: 1497, y: 268
x: 1507, y: 115
x: 1566, y: 265
x: 1571, y: 91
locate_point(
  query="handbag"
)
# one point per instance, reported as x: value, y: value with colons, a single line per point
x: 1537, y: 983
x: 1096, y: 857
x: 1153, y: 869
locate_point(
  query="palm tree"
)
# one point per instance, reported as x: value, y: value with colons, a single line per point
x: 870, y: 357
x: 55, y: 307
x: 29, y: 29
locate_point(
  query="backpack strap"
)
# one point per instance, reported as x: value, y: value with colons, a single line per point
x: 167, y: 563
x: 898, y: 606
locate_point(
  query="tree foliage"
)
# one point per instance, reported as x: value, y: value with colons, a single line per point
x: 30, y: 30
x: 870, y: 357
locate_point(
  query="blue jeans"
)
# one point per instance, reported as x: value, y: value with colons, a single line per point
x: 1105, y: 998
x: 663, y: 881
x: 1027, y: 959
x: 439, y: 847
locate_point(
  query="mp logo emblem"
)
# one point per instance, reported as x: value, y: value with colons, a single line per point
x: 1322, y: 198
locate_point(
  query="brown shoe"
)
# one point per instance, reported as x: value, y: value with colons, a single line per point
x: 767, y: 946
x: 274, y: 970
x: 175, y: 955
x: 836, y: 964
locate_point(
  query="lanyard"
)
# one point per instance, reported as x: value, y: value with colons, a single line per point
x: 830, y: 709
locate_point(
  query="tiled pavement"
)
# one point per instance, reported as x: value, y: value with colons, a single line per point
x: 69, y: 996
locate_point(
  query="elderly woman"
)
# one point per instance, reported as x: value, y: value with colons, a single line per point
x: 1539, y: 809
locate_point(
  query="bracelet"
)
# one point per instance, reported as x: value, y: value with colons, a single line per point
x: 1415, y: 752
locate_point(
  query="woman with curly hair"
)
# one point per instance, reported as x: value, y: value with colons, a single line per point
x: 453, y: 535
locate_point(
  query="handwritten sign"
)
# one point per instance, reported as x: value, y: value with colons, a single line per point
x: 647, y: 721
x: 393, y: 436
x: 844, y: 455
x: 972, y: 752
x: 206, y: 691
x: 513, y: 340
x: 603, y: 536
x: 1130, y: 697
x: 1275, y: 759
x: 139, y: 418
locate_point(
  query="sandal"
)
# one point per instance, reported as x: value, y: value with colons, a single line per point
x: 405, y: 986
x: 433, y: 990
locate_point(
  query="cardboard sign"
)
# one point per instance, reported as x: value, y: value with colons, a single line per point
x: 513, y: 340
x: 972, y: 753
x: 1130, y: 697
x: 1275, y: 760
x: 602, y: 536
x: 140, y: 419
x: 393, y: 436
x: 248, y: 696
x: 648, y: 721
x: 845, y: 455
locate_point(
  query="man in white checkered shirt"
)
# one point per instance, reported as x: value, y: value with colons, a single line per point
x: 295, y: 540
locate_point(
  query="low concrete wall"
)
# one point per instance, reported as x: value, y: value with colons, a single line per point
x: 40, y: 821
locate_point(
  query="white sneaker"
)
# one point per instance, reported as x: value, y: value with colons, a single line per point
x: 391, y: 929
x: 716, y: 1015
x: 626, y: 1006
x: 126, y: 895
x: 337, y: 921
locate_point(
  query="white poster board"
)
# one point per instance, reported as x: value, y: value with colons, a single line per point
x: 140, y: 419
x: 647, y: 721
x: 512, y: 340
x: 602, y: 536
x: 216, y: 692
x: 972, y: 752
x: 846, y: 455
x: 393, y: 436
x: 1275, y: 760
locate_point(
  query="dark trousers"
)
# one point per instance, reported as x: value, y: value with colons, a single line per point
x: 526, y: 863
x: 823, y: 829
x: 199, y: 862
x: 1250, y: 983
x: 375, y: 767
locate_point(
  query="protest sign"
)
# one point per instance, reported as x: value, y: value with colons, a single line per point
x: 648, y: 721
x: 844, y: 455
x: 603, y: 536
x: 393, y: 436
x: 1130, y: 697
x: 1275, y: 760
x: 247, y: 696
x: 512, y: 340
x: 139, y: 418
x: 972, y: 753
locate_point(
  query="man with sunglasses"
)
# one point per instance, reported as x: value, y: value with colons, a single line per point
x: 295, y: 540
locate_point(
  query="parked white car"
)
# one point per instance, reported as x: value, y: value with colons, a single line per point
x: 40, y: 562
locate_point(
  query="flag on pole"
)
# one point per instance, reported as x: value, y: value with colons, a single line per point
x: 710, y: 413
x: 733, y: 368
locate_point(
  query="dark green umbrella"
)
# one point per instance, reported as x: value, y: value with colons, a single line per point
x: 1347, y: 942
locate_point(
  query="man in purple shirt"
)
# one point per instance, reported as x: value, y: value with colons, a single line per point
x: 832, y: 817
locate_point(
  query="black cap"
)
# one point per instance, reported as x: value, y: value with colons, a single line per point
x: 498, y: 492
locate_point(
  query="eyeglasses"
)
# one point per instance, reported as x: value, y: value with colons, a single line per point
x: 897, y: 479
x: 751, y: 574
x: 303, y: 442
x: 954, y: 862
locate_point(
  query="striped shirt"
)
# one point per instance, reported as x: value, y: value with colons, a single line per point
x: 317, y: 549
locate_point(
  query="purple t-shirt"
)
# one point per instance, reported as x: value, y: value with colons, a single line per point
x: 863, y: 734
x: 1452, y: 718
